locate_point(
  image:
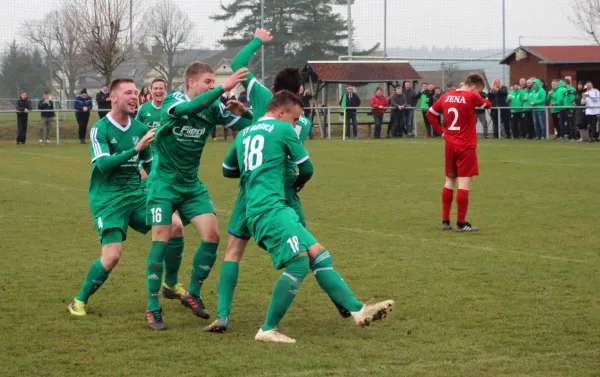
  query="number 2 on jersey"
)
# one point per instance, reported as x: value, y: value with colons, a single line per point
x: 455, y: 112
x: 253, y: 156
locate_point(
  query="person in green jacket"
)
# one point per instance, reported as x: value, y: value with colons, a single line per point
x: 556, y: 97
x: 537, y: 100
x: 529, y: 130
x: 571, y: 132
x: 517, y: 117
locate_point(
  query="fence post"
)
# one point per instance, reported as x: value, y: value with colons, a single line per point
x: 547, y: 123
x: 328, y: 123
x: 415, y: 123
x: 499, y: 125
x: 58, y: 129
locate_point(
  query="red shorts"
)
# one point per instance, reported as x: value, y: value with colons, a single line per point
x: 461, y: 162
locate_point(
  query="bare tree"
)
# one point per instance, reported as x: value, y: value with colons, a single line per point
x: 586, y: 17
x: 104, y: 29
x: 57, y: 36
x: 169, y: 30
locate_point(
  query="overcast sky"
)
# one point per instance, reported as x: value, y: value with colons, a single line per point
x: 460, y: 23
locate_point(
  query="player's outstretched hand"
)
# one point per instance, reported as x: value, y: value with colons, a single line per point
x: 264, y: 35
x: 238, y: 77
x: 236, y: 107
x: 146, y: 141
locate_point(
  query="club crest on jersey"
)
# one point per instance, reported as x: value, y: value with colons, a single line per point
x: 136, y: 140
x: 455, y: 99
x: 189, y: 132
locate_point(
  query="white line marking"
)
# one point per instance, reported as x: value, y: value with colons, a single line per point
x: 40, y: 154
x: 62, y: 188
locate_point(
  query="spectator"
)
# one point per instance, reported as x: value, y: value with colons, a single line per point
x: 352, y: 101
x: 225, y: 97
x: 411, y: 101
x: 425, y: 98
x: 145, y: 96
x: 529, y: 130
x: 450, y: 88
x: 515, y: 99
x: 571, y: 132
x: 47, y: 107
x: 243, y: 98
x: 437, y: 94
x: 83, y: 106
x: 481, y: 115
x: 378, y: 107
x: 398, y: 103
x: 592, y: 109
x: 306, y: 102
x: 23, y: 107
x: 537, y: 100
x: 580, y: 117
x: 497, y: 96
x: 391, y: 122
x: 103, y: 101
x: 556, y: 97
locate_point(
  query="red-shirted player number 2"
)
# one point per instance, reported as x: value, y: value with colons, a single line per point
x: 455, y: 112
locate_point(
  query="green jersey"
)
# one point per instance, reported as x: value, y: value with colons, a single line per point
x: 259, y: 97
x: 149, y: 115
x: 179, y: 141
x: 111, y: 138
x: 260, y: 152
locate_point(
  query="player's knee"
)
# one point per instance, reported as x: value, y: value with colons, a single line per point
x: 161, y: 233
x: 111, y: 253
x: 212, y: 235
x: 176, y: 228
x: 298, y: 267
x: 314, y: 250
x: 235, y: 249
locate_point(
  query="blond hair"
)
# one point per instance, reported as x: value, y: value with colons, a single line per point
x: 194, y: 70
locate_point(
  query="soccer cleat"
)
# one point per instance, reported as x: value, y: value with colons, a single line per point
x: 219, y: 325
x: 466, y: 227
x: 77, y: 308
x: 273, y: 336
x: 345, y: 313
x: 195, y: 303
x: 155, y: 319
x: 446, y: 225
x: 372, y: 312
x: 173, y: 293
x: 41, y: 141
x: 47, y: 142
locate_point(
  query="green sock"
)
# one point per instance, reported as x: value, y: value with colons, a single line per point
x: 285, y: 291
x: 227, y: 282
x: 154, y: 271
x: 332, y: 283
x: 96, y: 276
x: 173, y: 260
x: 204, y: 259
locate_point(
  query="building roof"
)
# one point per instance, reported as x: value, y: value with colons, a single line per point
x: 363, y: 71
x: 560, y: 54
x: 226, y: 55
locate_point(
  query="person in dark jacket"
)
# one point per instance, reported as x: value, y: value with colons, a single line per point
x: 398, y: 104
x: 352, y: 100
x: 497, y: 96
x: 47, y: 114
x: 308, y: 113
x: 482, y: 116
x: 580, y: 119
x: 103, y: 101
x: 411, y: 101
x: 23, y: 107
x: 225, y: 97
x: 83, y: 106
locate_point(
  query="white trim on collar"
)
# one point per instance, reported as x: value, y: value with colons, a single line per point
x: 120, y: 127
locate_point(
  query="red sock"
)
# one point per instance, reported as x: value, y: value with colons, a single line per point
x: 447, y: 196
x: 462, y: 203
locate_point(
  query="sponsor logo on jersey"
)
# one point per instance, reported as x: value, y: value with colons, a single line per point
x: 113, y: 141
x: 189, y: 132
x: 455, y: 99
x: 148, y: 115
x: 154, y: 124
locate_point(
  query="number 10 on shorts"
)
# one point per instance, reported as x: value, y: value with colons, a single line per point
x: 156, y: 215
x: 294, y: 244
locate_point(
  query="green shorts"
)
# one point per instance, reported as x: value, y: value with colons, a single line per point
x: 280, y: 232
x: 238, y: 226
x: 124, y: 212
x: 292, y: 200
x: 165, y: 198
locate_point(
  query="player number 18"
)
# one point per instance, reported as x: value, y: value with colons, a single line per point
x: 253, y: 156
x: 294, y: 244
x: 455, y: 112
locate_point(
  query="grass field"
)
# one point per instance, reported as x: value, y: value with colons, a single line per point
x: 518, y: 299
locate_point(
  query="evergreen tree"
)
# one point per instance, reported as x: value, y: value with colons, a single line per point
x: 23, y: 69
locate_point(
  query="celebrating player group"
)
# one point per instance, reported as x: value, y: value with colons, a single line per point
x: 145, y: 176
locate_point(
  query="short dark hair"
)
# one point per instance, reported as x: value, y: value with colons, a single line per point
x: 116, y: 82
x: 158, y: 80
x: 449, y: 85
x: 437, y: 87
x: 378, y: 88
x: 288, y: 79
x: 284, y: 98
x: 46, y: 92
x: 475, y: 79
x: 398, y: 87
x: 568, y: 81
x: 516, y: 83
x: 589, y: 82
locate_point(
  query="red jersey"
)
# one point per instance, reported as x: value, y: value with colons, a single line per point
x: 458, y: 108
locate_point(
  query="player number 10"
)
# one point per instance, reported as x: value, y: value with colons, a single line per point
x: 455, y: 112
x: 294, y: 244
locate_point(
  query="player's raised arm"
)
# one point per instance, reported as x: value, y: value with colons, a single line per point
x: 230, y: 164
x: 242, y: 59
x: 432, y: 115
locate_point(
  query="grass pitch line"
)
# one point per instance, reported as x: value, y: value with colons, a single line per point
x: 62, y: 188
x: 40, y: 154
